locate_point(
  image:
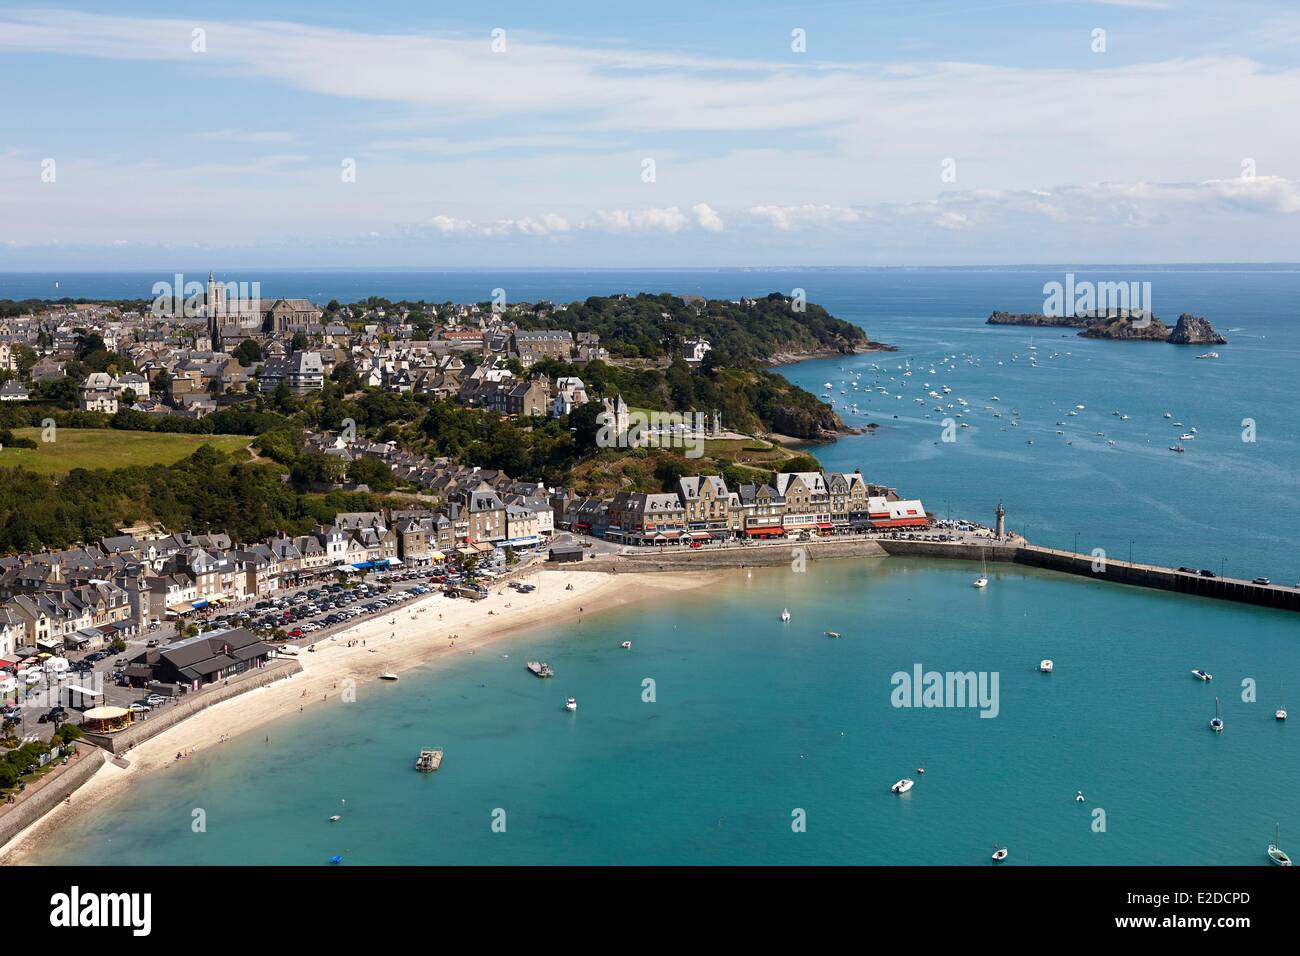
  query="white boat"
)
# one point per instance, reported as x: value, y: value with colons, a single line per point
x: 571, y: 704
x: 1216, y: 722
x: 1000, y: 853
x: 1275, y: 852
x: 1202, y: 675
x: 832, y: 633
x: 1186, y: 436
x: 902, y: 786
x: 540, y: 669
x: 335, y: 819
x: 983, y: 580
x: 430, y: 759
x: 388, y: 675
x: 1279, y: 714
x: 1209, y: 355
x: 1045, y: 666
x: 785, y: 614
x: 626, y: 645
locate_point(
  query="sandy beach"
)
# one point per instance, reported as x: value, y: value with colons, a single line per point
x: 420, y: 632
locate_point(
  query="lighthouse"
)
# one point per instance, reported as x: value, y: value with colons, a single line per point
x: 1001, y: 524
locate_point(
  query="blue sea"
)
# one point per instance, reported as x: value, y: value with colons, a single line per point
x: 757, y: 724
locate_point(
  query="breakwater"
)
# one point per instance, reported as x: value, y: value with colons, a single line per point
x: 1133, y: 573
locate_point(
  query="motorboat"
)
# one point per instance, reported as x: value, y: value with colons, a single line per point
x: 1000, y: 853
x: 388, y: 675
x: 1045, y: 666
x: 335, y: 819
x: 571, y: 704
x: 902, y: 786
x: 1209, y: 355
x: 832, y: 633
x: 540, y: 669
x: 1202, y: 675
x: 430, y: 759
x: 626, y: 645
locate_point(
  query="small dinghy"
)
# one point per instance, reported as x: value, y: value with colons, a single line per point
x: 1000, y: 853
x: 902, y: 786
x: 388, y: 675
x: 335, y: 819
x: 336, y: 859
x: 626, y: 645
x: 1045, y: 666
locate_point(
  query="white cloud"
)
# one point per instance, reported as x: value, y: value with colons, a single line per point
x: 706, y: 218
x: 787, y: 218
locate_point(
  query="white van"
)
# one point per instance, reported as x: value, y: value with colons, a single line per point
x: 289, y: 649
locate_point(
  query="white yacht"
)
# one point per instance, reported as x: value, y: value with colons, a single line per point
x: 785, y: 614
x: 1216, y: 722
x: 626, y: 645
x: 388, y: 675
x: 1209, y: 355
x: 1045, y: 666
x: 571, y: 704
x: 1202, y: 675
x: 1275, y: 852
x: 902, y: 786
x: 983, y: 580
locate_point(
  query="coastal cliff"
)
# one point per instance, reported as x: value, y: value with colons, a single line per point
x: 1120, y: 325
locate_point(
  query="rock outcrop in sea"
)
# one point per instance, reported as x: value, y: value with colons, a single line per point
x: 1194, y: 330
x: 1122, y: 325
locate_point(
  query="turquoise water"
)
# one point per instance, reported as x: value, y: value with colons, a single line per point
x: 754, y: 719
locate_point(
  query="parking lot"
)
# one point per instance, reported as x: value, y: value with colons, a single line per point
x: 291, y: 620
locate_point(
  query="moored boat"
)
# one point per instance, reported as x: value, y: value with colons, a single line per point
x: 430, y: 759
x: 1202, y: 675
x: 540, y: 669
x: 902, y: 786
x: 571, y: 704
x: 1275, y: 852
x: 1045, y: 666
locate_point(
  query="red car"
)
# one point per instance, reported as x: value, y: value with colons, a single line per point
x: 296, y: 632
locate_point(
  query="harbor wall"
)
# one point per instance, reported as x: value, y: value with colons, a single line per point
x: 742, y: 556
x: 1161, y: 578
x: 161, y: 720
x: 50, y: 791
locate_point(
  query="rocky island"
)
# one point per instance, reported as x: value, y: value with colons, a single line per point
x: 1122, y: 325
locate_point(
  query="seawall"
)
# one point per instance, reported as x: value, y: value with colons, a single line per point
x: 52, y: 790
x: 742, y: 556
x: 159, y: 721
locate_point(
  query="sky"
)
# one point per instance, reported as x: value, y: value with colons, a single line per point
x: 668, y: 134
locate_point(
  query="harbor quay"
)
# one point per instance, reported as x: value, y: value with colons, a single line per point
x: 978, y: 545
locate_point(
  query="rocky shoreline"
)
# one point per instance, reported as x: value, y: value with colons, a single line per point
x: 793, y: 358
x: 1121, y: 326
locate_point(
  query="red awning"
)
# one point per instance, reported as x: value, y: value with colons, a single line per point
x: 765, y: 531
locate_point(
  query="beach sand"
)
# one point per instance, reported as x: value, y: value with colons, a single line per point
x: 408, y: 636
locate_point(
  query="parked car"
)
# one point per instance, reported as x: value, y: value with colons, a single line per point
x: 1261, y: 581
x: 1207, y: 573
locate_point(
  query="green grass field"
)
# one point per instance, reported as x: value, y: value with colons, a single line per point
x: 108, y: 448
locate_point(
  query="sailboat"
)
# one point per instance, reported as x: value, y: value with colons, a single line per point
x: 785, y: 614
x: 983, y: 580
x: 1216, y: 724
x: 1275, y: 852
x: 1280, y: 713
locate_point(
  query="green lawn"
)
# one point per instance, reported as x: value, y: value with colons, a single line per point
x: 109, y: 448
